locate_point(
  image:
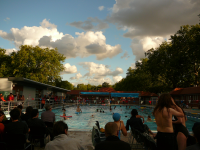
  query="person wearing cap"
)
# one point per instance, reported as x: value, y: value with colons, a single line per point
x: 120, y: 124
x: 112, y: 141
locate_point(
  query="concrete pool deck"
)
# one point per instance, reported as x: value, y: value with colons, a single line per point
x: 85, y: 139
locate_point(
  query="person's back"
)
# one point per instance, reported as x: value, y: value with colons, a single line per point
x: 164, y: 121
x: 27, y: 116
x: 48, y: 115
x: 61, y: 141
x: 120, y: 124
x: 112, y: 141
x: 34, y: 121
x: 135, y: 122
x: 163, y: 115
x: 16, y: 127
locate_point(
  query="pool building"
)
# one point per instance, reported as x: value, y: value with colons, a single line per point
x: 117, y: 97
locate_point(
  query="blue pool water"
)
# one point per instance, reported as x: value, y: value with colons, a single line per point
x: 85, y: 121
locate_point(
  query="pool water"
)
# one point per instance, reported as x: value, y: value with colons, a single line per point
x: 84, y: 121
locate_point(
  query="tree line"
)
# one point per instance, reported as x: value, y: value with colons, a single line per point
x: 173, y: 64
x: 39, y: 64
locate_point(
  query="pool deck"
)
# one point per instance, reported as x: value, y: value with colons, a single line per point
x: 85, y: 139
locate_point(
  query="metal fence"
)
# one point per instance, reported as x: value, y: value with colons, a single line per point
x: 36, y: 104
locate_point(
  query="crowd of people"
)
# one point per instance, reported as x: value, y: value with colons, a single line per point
x: 172, y: 134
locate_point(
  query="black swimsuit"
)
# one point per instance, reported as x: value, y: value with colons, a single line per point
x: 180, y: 128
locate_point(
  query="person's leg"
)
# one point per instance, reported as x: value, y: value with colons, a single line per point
x: 181, y: 141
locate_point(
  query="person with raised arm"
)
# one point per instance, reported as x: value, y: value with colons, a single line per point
x: 163, y: 113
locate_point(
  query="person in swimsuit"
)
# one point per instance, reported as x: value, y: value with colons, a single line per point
x: 180, y: 130
x: 120, y: 124
x: 78, y: 109
x: 163, y: 113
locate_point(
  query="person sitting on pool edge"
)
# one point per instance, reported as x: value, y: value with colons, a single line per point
x: 61, y: 140
x: 78, y: 109
x: 112, y: 141
x: 137, y: 124
x: 120, y: 124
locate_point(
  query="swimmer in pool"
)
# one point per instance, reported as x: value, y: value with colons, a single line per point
x: 78, y: 109
x: 110, y: 108
x: 64, y: 110
x: 149, y: 118
x: 97, y: 110
x: 64, y: 116
x: 92, y: 116
x: 114, y: 107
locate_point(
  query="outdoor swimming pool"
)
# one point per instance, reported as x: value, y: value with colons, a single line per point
x: 84, y: 121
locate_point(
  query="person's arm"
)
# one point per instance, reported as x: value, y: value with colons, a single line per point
x: 123, y: 129
x: 142, y: 118
x: 175, y: 110
x: 54, y: 118
x: 127, y: 126
x: 176, y: 113
x: 42, y: 117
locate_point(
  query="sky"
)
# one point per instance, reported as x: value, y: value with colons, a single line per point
x: 100, y: 39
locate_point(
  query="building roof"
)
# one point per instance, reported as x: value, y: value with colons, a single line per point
x: 106, y: 89
x: 111, y: 90
x: 183, y: 91
x: 24, y: 81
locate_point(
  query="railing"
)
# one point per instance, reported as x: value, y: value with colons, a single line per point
x: 36, y: 104
x: 194, y: 104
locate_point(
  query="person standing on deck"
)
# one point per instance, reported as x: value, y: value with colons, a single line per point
x: 163, y: 112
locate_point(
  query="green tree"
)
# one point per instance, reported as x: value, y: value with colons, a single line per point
x: 105, y: 84
x: 81, y: 87
x: 64, y: 84
x: 38, y: 64
x: 5, y: 61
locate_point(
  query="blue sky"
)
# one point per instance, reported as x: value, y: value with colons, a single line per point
x: 101, y: 39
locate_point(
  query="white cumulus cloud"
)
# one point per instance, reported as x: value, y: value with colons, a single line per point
x: 9, y: 51
x: 69, y: 69
x: 77, y: 76
x: 117, y: 78
x: 99, y: 70
x: 99, y: 81
x: 101, y: 8
x: 7, y: 19
x: 148, y: 23
x: 83, y: 45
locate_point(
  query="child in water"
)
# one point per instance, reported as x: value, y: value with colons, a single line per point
x: 149, y: 118
x: 64, y: 116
